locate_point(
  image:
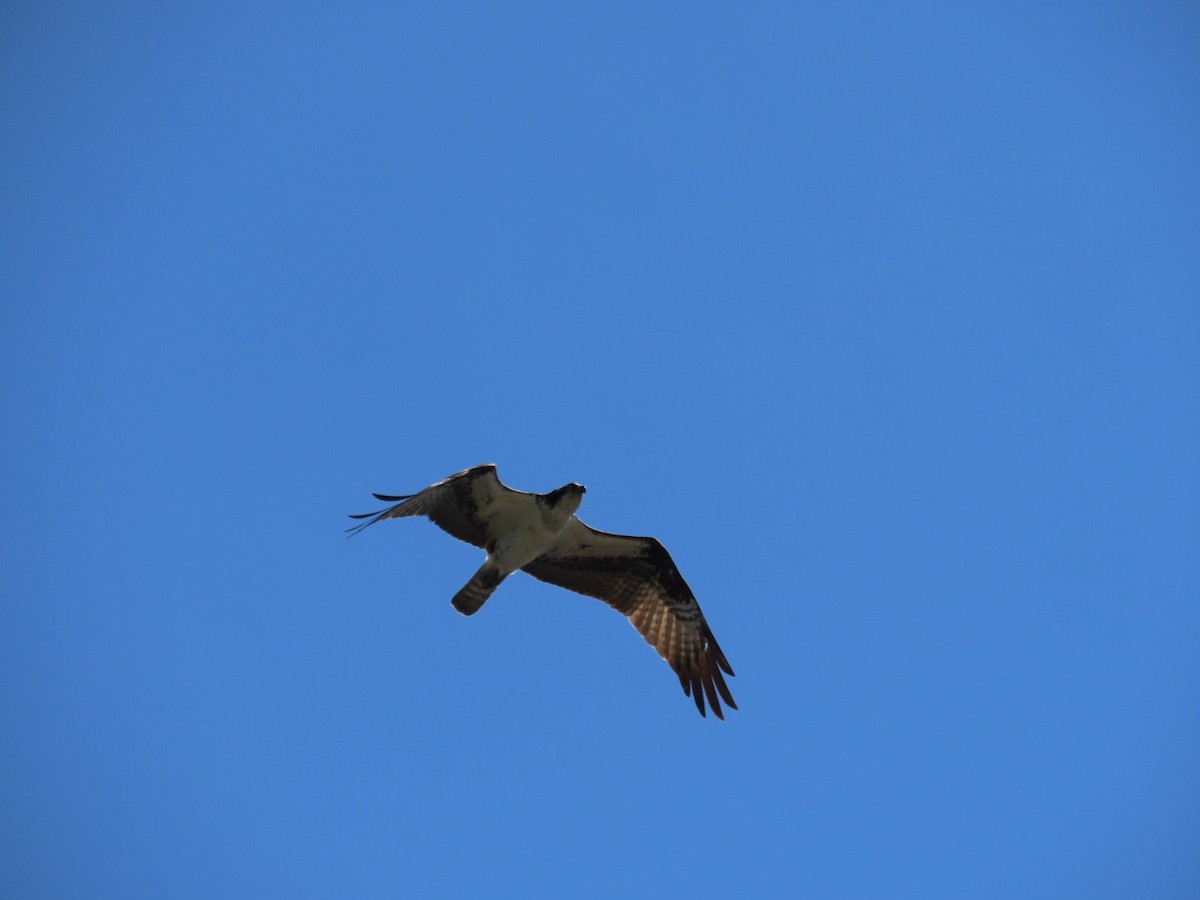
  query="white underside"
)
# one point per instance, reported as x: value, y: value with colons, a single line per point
x: 526, y: 530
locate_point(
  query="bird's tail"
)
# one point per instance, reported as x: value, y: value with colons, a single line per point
x: 478, y: 589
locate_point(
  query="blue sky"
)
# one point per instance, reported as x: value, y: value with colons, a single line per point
x: 883, y: 318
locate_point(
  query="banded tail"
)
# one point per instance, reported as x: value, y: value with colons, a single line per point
x: 476, y: 591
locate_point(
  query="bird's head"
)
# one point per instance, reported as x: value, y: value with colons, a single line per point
x: 568, y: 497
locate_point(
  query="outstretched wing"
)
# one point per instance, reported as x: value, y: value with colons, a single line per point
x: 637, y: 577
x: 453, y: 504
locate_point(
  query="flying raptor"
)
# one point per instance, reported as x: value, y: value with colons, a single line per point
x: 539, y: 534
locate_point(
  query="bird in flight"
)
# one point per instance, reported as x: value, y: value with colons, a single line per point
x: 540, y: 534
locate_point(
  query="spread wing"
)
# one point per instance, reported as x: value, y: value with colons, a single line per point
x: 637, y: 577
x: 454, y: 504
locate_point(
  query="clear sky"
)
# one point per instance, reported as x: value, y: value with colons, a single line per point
x: 884, y: 318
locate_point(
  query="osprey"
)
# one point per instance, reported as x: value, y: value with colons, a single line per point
x: 539, y: 534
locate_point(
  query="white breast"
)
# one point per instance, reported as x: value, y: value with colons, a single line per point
x: 523, y: 529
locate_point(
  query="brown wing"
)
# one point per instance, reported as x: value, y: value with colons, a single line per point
x: 637, y: 577
x: 452, y: 504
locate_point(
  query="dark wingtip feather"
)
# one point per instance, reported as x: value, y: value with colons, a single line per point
x: 711, y: 692
x: 717, y: 653
x: 702, y: 680
x: 719, y: 681
x: 371, y: 519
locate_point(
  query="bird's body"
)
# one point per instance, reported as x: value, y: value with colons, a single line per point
x: 540, y: 534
